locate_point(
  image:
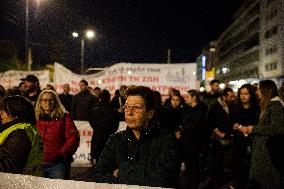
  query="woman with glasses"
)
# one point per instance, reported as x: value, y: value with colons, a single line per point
x: 59, y: 134
x: 21, y: 149
x: 143, y: 154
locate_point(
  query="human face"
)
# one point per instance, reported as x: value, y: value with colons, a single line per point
x: 189, y: 99
x: 136, y: 115
x: 83, y: 86
x: 5, y: 118
x: 230, y: 97
x: 215, y: 87
x: 244, y: 95
x: 29, y: 86
x: 66, y: 88
x: 175, y: 101
x: 47, y: 102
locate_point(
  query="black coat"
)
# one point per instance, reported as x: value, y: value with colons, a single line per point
x: 219, y: 118
x: 66, y: 100
x: 170, y: 118
x: 15, y: 150
x: 104, y: 121
x: 150, y: 161
x: 115, y: 104
x: 82, y: 103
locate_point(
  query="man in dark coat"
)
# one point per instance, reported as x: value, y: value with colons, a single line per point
x: 82, y: 103
x: 104, y: 121
x: 66, y: 98
x: 140, y: 155
x: 211, y: 97
x: 218, y: 120
x: 118, y: 102
x: 32, y: 88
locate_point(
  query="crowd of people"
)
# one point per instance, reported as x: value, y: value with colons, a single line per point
x: 202, y: 137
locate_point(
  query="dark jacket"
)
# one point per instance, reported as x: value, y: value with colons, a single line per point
x: 104, y: 121
x: 150, y: 161
x: 272, y: 124
x: 60, y: 138
x: 219, y: 118
x: 14, y: 151
x: 82, y: 104
x: 194, y: 121
x: 66, y: 100
x: 116, y: 103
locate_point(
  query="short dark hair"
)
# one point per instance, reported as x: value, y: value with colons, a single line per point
x: 226, y: 91
x: 214, y: 81
x: 146, y: 93
x: 104, y: 96
x: 97, y: 88
x: 19, y: 107
x: 84, y: 81
x: 194, y: 93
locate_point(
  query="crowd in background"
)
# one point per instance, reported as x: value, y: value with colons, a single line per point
x: 220, y: 135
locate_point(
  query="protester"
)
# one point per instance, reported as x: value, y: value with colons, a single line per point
x: 247, y: 113
x: 211, y: 97
x: 21, y: 149
x: 66, y: 98
x: 104, y: 121
x: 218, y: 120
x: 82, y: 103
x: 118, y: 102
x: 262, y: 172
x: 170, y: 94
x: 31, y: 87
x: 193, y: 123
x: 96, y: 92
x: 59, y: 133
x: 171, y: 115
x: 143, y: 154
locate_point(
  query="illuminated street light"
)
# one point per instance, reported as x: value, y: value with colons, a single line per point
x: 75, y: 34
x: 89, y: 35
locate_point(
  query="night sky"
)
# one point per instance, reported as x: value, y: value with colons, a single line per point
x: 127, y: 30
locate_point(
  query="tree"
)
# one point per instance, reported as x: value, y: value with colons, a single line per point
x: 9, y: 57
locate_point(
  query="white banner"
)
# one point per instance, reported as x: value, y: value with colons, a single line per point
x: 12, y: 78
x: 17, y: 181
x: 159, y: 77
x: 82, y: 155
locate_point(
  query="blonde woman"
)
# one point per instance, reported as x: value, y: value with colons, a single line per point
x: 59, y: 134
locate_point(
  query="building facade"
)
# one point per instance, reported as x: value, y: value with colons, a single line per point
x: 251, y: 48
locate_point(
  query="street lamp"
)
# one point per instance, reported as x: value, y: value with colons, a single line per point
x: 88, y: 35
x: 28, y: 51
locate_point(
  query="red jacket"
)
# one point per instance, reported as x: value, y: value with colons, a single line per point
x: 60, y: 138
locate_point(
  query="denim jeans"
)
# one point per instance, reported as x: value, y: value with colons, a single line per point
x: 56, y: 170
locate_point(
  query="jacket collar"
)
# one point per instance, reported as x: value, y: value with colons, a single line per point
x: 144, y: 133
x: 277, y: 98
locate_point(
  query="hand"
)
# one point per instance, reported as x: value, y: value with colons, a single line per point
x: 246, y: 130
x: 249, y: 129
x: 236, y: 126
x: 178, y: 135
x: 219, y: 133
x: 115, y: 173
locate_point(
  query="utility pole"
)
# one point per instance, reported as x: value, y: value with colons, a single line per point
x: 169, y: 56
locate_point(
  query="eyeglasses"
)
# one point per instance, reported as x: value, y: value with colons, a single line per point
x: 48, y: 100
x: 135, y: 107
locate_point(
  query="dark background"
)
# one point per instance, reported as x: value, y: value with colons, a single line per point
x: 127, y: 30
